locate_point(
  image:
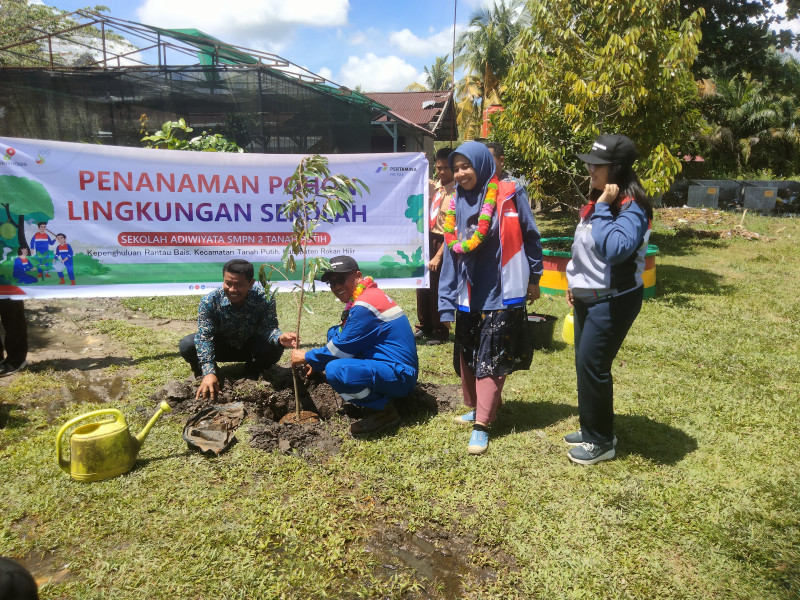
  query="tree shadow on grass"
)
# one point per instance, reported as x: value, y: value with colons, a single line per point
x: 640, y: 435
x: 12, y: 420
x: 652, y: 440
x: 516, y: 416
x: 143, y: 462
x: 686, y: 241
x: 677, y: 285
x: 96, y: 363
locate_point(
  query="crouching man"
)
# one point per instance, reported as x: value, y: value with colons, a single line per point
x: 235, y: 323
x: 371, y: 357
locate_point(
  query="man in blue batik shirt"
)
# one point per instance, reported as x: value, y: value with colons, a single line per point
x: 235, y: 323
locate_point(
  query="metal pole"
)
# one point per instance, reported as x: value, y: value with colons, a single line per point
x: 453, y: 77
x: 103, y: 31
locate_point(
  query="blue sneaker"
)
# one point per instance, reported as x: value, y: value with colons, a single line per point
x: 467, y: 419
x: 478, y: 442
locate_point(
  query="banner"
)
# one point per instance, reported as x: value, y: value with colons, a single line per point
x: 83, y: 220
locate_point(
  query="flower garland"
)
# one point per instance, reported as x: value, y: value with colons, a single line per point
x: 360, y: 287
x: 484, y: 221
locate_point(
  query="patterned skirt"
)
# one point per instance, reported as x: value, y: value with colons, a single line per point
x: 492, y: 342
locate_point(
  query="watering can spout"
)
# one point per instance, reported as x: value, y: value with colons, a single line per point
x: 162, y: 408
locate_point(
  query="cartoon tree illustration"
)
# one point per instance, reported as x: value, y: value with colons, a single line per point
x: 22, y: 199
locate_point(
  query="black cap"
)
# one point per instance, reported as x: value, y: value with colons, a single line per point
x: 340, y: 264
x: 611, y: 149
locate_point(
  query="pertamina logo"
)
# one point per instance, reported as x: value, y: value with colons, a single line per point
x: 395, y: 171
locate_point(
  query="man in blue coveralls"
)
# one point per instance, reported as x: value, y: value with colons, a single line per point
x: 371, y: 357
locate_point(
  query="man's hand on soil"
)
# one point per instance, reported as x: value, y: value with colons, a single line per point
x: 209, y: 387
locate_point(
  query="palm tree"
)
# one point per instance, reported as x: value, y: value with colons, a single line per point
x: 439, y: 77
x: 486, y: 49
x: 751, y: 127
x: 468, y: 118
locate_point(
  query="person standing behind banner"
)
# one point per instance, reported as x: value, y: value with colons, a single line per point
x: 605, y: 287
x: 492, y: 265
x: 428, y: 299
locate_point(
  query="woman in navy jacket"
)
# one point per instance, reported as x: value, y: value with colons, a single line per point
x: 605, y: 287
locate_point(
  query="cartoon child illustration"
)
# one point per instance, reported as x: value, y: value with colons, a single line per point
x: 40, y: 247
x: 22, y: 265
x: 64, y: 259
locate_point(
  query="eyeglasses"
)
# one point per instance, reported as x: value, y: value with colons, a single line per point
x: 337, y: 279
x: 590, y: 167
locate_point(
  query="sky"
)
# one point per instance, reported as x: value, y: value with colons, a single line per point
x: 377, y: 44
x: 381, y: 45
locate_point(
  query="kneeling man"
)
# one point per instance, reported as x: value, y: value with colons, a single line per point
x: 237, y: 322
x: 371, y: 357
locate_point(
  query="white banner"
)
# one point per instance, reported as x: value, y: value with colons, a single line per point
x: 82, y: 220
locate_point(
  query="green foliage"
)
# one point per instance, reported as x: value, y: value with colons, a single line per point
x: 21, y: 20
x: 750, y: 127
x: 416, y: 210
x: 316, y: 197
x: 736, y: 35
x: 590, y: 67
x: 23, y: 196
x: 439, y: 76
x: 22, y: 199
x: 173, y: 136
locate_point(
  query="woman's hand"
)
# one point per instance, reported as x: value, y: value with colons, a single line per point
x: 609, y: 194
x: 533, y: 292
x: 570, y: 299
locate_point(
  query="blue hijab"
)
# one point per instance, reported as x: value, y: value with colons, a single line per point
x: 470, y: 202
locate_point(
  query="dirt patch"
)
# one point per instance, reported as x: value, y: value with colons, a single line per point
x: 60, y: 333
x: 269, y: 399
x: 441, y: 560
x: 48, y: 568
x: 705, y: 224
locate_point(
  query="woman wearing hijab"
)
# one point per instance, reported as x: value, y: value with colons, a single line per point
x: 605, y: 287
x: 492, y: 264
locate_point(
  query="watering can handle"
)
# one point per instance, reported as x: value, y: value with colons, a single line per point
x: 64, y: 464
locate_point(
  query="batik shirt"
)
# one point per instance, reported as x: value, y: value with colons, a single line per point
x: 218, y: 317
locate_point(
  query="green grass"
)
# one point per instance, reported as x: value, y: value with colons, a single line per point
x: 702, y: 502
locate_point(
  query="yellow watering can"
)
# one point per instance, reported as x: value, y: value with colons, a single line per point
x: 104, y: 448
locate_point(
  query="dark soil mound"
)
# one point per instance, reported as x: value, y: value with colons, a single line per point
x: 269, y: 399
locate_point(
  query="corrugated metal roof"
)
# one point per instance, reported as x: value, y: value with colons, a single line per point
x: 430, y: 110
